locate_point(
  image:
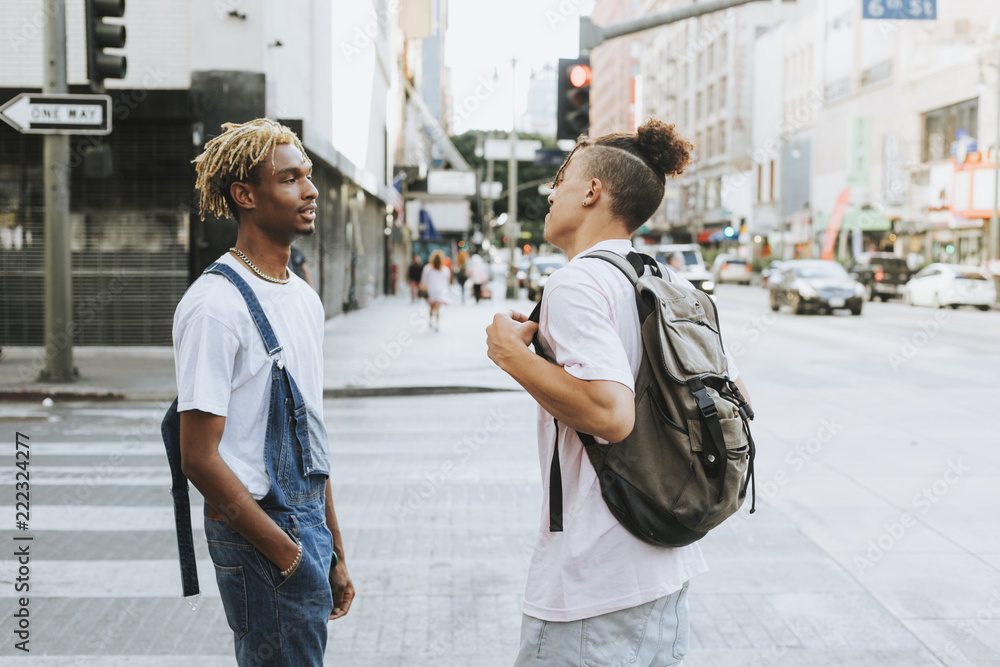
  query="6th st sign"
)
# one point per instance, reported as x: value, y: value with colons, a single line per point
x: 37, y: 113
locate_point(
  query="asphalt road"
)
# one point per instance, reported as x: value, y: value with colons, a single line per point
x: 877, y: 437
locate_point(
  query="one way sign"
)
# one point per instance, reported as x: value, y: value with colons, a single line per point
x: 38, y: 113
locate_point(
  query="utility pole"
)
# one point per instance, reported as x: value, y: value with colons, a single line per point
x: 58, y: 258
x: 511, y: 223
x: 994, y: 222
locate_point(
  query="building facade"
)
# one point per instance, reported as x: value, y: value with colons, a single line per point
x: 138, y: 240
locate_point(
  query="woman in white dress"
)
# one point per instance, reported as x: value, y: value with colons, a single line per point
x: 436, y: 279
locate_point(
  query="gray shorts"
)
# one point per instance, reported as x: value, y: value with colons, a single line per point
x: 654, y: 634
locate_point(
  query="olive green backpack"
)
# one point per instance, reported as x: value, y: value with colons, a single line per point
x: 686, y: 465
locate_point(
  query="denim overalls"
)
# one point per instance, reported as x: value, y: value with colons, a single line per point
x: 275, y: 622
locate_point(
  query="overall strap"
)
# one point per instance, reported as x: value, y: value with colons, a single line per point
x: 253, y: 305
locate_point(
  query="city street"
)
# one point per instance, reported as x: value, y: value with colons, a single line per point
x: 875, y: 539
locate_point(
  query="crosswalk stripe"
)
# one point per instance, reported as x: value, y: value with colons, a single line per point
x: 108, y: 579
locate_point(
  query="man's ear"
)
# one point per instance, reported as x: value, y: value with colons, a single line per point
x: 594, y: 190
x: 242, y: 195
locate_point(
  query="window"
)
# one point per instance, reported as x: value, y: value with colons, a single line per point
x: 697, y: 107
x: 760, y: 182
x: 941, y: 125
x: 722, y: 50
x: 722, y: 137
x: 722, y: 93
x: 709, y: 99
x: 710, y: 57
x: 687, y: 113
x: 709, y: 143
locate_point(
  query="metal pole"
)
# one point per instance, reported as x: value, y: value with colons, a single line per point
x: 592, y: 35
x: 511, y: 223
x: 58, y: 258
x: 994, y: 223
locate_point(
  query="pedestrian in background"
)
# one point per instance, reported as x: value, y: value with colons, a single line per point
x: 461, y: 272
x: 479, y: 274
x: 248, y: 335
x: 413, y: 274
x: 297, y: 263
x: 595, y: 592
x: 436, y: 279
x: 676, y: 261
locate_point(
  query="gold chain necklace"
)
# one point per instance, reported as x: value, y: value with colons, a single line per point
x: 246, y: 260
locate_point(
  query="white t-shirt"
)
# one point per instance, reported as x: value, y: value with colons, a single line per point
x: 590, y: 326
x: 222, y: 364
x: 437, y: 282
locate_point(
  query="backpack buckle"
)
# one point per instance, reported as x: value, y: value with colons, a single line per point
x: 705, y: 403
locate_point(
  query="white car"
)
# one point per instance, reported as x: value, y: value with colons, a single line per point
x: 954, y: 285
x: 731, y: 269
x: 693, y: 271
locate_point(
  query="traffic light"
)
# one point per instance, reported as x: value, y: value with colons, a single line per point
x: 573, y: 102
x: 102, y: 35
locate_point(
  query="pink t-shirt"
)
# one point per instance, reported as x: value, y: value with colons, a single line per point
x: 590, y: 326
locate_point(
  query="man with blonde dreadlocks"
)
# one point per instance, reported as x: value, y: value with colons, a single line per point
x: 248, y: 342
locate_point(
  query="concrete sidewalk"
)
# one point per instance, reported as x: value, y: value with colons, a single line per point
x: 386, y: 348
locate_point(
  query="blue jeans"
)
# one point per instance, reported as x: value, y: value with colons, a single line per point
x: 655, y: 634
x: 275, y: 621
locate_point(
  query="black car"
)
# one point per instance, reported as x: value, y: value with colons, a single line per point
x: 882, y: 274
x: 815, y: 285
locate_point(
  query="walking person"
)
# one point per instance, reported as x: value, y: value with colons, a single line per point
x: 413, y: 274
x: 436, y: 279
x: 595, y: 594
x: 248, y: 345
x: 462, y: 272
x: 479, y: 274
x: 299, y: 266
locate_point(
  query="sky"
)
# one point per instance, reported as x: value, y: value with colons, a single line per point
x: 482, y: 38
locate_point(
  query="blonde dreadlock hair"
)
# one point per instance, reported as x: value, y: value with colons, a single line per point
x: 233, y: 157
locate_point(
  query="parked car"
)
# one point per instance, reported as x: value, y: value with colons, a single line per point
x: 731, y: 269
x: 542, y: 266
x: 694, y: 265
x: 954, y: 285
x: 882, y: 274
x: 816, y: 285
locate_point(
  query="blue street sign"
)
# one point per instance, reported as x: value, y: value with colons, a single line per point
x: 900, y: 9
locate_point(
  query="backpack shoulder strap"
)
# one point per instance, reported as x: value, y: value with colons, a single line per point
x: 633, y: 266
x: 253, y: 305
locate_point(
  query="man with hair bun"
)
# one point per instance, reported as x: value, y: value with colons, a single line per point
x: 595, y: 593
x: 248, y: 345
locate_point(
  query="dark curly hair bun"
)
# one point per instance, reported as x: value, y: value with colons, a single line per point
x: 662, y: 147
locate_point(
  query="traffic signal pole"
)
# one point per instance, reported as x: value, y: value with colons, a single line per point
x: 55, y: 164
x: 511, y: 224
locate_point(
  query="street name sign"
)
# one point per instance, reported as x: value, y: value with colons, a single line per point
x: 922, y: 10
x: 50, y: 113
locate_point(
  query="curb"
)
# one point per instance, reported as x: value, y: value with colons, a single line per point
x: 388, y: 392
x: 34, y: 395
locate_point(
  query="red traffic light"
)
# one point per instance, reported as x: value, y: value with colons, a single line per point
x: 579, y: 76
